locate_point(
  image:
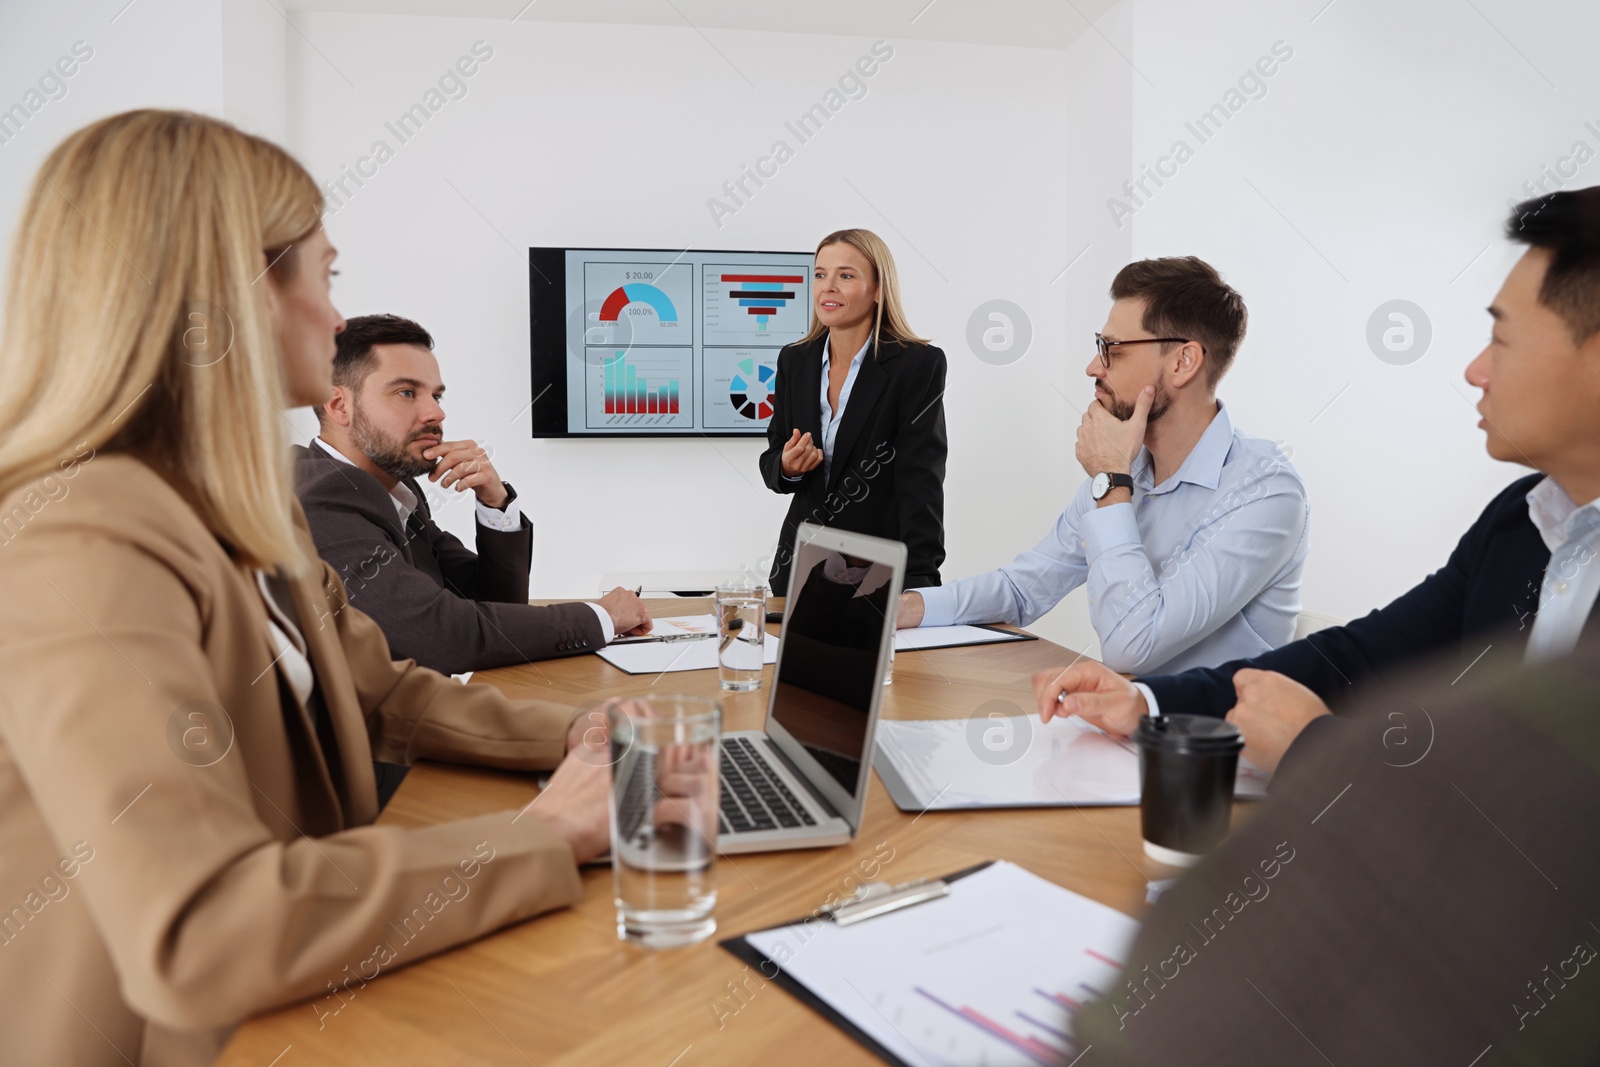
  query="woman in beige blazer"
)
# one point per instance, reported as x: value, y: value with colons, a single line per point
x: 189, y: 709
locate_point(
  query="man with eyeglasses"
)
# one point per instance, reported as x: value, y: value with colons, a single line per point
x: 1190, y: 534
x: 1521, y: 579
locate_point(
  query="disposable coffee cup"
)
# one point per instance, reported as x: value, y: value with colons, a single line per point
x: 1187, y: 765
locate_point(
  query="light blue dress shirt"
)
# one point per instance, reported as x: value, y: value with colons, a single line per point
x: 1571, y: 584
x: 831, y: 421
x: 1201, y: 569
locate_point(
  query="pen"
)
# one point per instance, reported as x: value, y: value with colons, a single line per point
x: 1061, y: 698
x: 672, y: 637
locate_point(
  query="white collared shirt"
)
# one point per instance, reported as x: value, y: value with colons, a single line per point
x: 1199, y: 570
x: 1571, y: 584
x: 293, y: 656
x: 405, y: 501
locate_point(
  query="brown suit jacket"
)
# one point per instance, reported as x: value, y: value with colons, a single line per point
x: 158, y: 885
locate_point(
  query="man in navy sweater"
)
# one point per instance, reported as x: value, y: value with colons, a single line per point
x: 1520, y: 578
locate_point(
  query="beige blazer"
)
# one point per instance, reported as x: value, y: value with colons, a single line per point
x: 158, y: 884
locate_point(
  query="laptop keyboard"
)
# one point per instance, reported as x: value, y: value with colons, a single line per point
x: 754, y: 798
x: 637, y: 797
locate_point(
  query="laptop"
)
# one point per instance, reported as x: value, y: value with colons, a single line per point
x: 801, y: 780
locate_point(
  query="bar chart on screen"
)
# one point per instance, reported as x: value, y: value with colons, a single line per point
x: 639, y: 387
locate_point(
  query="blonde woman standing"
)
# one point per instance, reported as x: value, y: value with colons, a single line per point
x: 188, y: 707
x: 857, y: 433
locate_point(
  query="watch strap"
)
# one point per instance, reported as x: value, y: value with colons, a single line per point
x: 1114, y: 481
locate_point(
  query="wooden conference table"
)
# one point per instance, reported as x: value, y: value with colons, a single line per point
x: 562, y: 990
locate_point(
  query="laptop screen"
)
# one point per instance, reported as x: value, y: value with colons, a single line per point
x: 828, y: 675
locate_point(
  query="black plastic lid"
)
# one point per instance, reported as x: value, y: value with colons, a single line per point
x: 1190, y: 735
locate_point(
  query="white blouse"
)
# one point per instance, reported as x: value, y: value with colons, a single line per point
x: 292, y: 658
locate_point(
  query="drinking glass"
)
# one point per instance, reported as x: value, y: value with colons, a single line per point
x: 664, y: 817
x: 741, y: 635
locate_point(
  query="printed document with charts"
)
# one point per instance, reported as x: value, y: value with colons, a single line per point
x: 990, y: 974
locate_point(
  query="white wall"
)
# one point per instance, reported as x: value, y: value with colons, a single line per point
x: 157, y: 53
x: 255, y: 71
x: 1376, y: 167
x: 980, y: 165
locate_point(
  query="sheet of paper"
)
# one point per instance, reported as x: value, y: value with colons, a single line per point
x: 948, y: 636
x: 1015, y: 761
x: 989, y: 975
x: 663, y: 657
x: 674, y: 626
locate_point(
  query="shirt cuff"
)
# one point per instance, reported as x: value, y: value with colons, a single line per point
x: 938, y: 605
x: 1153, y: 709
x: 1106, y: 528
x: 506, y: 521
x: 606, y: 628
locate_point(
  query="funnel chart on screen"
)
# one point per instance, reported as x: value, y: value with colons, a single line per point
x: 679, y: 342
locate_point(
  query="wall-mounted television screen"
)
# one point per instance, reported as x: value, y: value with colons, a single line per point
x: 648, y: 342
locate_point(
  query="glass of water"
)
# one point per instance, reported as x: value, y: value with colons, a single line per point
x: 741, y: 635
x: 664, y: 817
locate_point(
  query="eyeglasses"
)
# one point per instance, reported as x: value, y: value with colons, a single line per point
x: 1104, y: 347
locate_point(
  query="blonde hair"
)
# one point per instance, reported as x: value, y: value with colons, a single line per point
x: 135, y: 322
x: 889, y: 318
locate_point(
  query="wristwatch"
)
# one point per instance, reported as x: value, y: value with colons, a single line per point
x: 1104, y: 482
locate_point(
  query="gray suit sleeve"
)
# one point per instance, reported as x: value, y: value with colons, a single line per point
x: 437, y: 627
x: 498, y: 571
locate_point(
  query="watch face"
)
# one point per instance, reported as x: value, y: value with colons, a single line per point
x: 1102, y: 485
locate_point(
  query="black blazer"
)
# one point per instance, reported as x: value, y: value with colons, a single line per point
x: 438, y: 602
x: 1485, y: 594
x: 889, y: 454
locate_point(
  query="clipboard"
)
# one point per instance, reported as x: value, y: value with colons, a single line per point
x: 993, y: 973
x: 743, y: 950
x: 1011, y: 637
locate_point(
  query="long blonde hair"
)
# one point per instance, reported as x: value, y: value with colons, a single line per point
x: 138, y: 231
x: 889, y: 318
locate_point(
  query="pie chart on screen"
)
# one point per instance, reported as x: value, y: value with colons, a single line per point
x: 750, y: 391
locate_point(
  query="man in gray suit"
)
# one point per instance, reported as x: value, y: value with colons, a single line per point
x: 438, y: 602
x: 1420, y: 889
